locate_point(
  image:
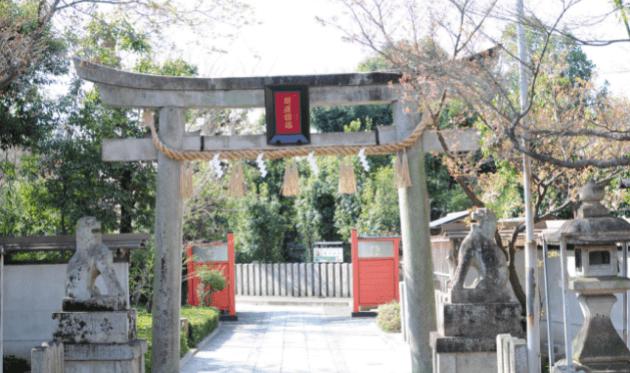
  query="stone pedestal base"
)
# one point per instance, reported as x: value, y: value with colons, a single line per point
x: 479, y: 320
x: 95, y: 327
x: 463, y: 354
x: 592, y: 368
x: 106, y: 358
x: 478, y: 362
x: 466, y: 339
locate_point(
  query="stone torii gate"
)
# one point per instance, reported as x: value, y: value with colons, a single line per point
x: 173, y: 95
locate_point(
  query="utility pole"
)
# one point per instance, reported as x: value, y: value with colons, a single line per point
x: 531, y: 252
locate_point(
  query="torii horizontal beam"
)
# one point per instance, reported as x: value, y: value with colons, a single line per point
x: 129, y: 150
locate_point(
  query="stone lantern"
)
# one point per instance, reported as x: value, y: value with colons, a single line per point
x: 597, y: 346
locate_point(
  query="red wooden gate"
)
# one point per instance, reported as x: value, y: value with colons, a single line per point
x: 374, y: 270
x: 214, y: 255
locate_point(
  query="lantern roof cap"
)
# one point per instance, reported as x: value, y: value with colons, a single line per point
x: 594, y: 224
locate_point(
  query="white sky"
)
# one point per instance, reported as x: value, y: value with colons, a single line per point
x: 290, y: 42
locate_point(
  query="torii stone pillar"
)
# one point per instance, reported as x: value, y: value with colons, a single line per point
x: 169, y: 209
x: 172, y: 95
x: 418, y: 264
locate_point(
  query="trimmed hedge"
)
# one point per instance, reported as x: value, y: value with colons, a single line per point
x: 388, y: 316
x: 14, y: 364
x: 201, y: 320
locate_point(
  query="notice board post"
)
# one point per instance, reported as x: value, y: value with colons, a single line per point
x: 215, y: 255
x: 374, y: 271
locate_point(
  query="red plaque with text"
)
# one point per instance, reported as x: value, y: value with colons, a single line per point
x: 287, y: 114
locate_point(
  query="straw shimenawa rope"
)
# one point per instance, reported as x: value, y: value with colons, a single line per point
x: 284, y: 152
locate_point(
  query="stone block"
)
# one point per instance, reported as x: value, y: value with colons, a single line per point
x: 263, y: 279
x: 478, y: 362
x: 296, y: 279
x: 105, y: 366
x: 337, y: 280
x: 105, y: 303
x: 289, y: 279
x: 351, y: 281
x: 269, y: 279
x: 94, y: 327
x: 239, y: 278
x: 256, y: 278
x: 302, y: 279
x: 283, y: 279
x: 479, y: 320
x: 48, y: 358
x: 324, y: 279
x: 276, y: 279
x: 442, y: 344
x: 331, y: 279
x: 344, y: 280
x: 317, y: 290
x: 309, y: 279
x: 250, y: 275
x: 106, y: 351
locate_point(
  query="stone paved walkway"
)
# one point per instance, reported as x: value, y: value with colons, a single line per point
x: 301, y: 339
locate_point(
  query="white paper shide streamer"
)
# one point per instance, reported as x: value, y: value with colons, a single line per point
x: 217, y: 166
x: 311, y: 162
x: 363, y: 160
x: 261, y: 165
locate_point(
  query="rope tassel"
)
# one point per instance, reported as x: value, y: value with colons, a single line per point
x: 402, y: 179
x: 291, y: 183
x: 186, y: 181
x: 235, y: 188
x: 347, y: 181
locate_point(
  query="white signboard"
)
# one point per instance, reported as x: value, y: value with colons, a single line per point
x: 328, y: 255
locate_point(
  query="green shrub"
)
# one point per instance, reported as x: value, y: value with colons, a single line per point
x: 388, y: 316
x: 14, y: 364
x: 201, y: 320
x: 212, y: 280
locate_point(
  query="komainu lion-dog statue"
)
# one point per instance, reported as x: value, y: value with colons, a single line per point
x: 478, y: 250
x: 91, y: 259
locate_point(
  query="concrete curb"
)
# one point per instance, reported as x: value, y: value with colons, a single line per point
x: 291, y: 301
x: 189, y: 355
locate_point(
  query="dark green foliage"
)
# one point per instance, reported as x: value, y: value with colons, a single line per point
x: 388, y: 317
x: 14, y: 364
x: 335, y: 118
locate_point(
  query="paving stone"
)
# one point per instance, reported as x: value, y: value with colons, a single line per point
x: 300, y: 339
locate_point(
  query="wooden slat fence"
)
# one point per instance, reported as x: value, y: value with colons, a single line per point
x: 332, y: 280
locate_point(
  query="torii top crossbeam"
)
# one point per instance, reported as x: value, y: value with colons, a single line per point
x: 132, y: 90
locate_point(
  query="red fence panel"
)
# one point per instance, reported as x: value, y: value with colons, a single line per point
x: 374, y: 270
x: 214, y: 255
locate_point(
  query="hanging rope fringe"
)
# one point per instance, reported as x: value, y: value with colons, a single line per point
x: 284, y: 152
x: 347, y: 181
x: 291, y: 183
x: 186, y: 181
x: 235, y: 188
x: 401, y: 172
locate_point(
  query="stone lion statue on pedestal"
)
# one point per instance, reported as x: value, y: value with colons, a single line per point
x: 478, y: 250
x: 92, y: 259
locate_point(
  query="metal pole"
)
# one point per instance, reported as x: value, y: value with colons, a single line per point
x: 567, y: 311
x: 624, y: 273
x: 531, y: 255
x: 552, y: 358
